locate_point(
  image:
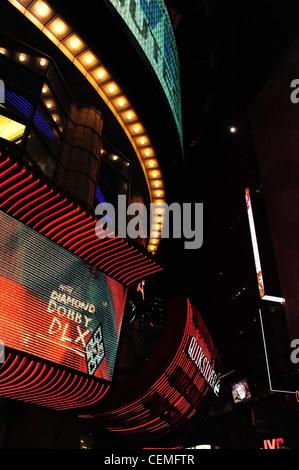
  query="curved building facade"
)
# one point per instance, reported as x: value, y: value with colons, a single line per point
x: 90, y: 116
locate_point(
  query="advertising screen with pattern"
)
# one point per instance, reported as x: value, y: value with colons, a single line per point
x: 150, y: 24
x: 55, y: 306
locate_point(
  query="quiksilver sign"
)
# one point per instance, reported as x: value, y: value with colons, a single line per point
x: 197, y: 355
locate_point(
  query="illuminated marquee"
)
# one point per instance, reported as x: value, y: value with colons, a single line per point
x: 55, y: 306
x: 149, y: 22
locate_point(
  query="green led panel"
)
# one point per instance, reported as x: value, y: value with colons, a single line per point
x: 149, y: 22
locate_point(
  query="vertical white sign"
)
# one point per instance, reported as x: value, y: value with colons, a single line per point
x: 256, y: 254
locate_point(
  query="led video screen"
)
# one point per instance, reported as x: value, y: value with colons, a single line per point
x: 55, y: 306
x: 150, y: 24
x: 240, y: 391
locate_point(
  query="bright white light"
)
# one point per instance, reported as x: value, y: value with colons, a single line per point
x: 256, y: 254
x: 272, y: 298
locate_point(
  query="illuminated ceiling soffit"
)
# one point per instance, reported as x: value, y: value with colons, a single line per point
x: 44, y: 17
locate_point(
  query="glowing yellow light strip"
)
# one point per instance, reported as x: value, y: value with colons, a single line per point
x: 73, y: 47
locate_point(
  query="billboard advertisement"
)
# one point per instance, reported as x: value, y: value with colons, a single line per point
x: 241, y: 391
x: 55, y: 306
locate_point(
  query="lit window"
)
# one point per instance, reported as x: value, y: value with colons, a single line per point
x: 11, y: 130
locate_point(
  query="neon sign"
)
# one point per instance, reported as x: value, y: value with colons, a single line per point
x: 55, y: 306
x: 149, y: 22
x: 197, y: 355
x: 274, y: 443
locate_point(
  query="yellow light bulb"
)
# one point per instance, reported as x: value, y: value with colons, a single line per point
x: 101, y: 73
x: 88, y: 59
x: 42, y: 9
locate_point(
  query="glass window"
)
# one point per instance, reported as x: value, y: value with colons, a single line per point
x: 40, y: 154
x: 18, y: 103
x: 11, y: 130
x: 46, y: 125
x: 53, y: 106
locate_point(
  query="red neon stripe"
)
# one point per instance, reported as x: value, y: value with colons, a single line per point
x: 67, y: 225
x: 120, y: 270
x: 11, y: 189
x: 53, y: 211
x: 100, y: 394
x: 80, y: 225
x: 6, y: 172
x: 125, y: 253
x: 18, y: 194
x: 135, y: 427
x: 102, y: 247
x: 143, y: 273
x: 74, y: 397
x: 138, y: 267
x: 38, y: 387
x: 38, y: 207
x: 2, y: 164
x: 12, y: 178
x: 96, y: 256
x: 17, y: 387
x: 77, y: 237
x: 56, y: 222
x: 34, y: 201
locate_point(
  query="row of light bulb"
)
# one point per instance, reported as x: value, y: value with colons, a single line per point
x: 46, y: 19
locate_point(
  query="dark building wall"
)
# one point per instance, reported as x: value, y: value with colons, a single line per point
x: 275, y: 125
x: 25, y: 426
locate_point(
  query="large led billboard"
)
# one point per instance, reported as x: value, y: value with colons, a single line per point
x: 149, y: 22
x: 55, y: 306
